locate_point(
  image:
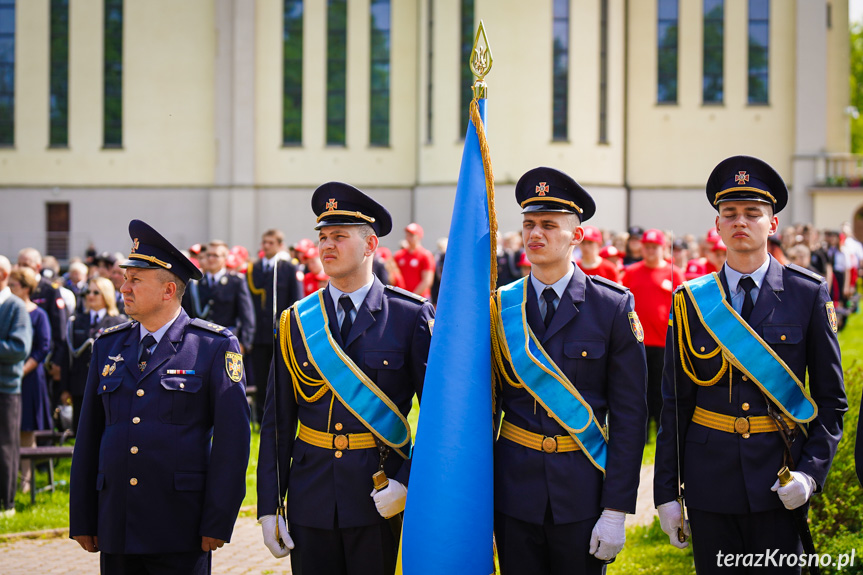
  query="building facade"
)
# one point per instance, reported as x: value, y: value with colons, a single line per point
x: 217, y: 118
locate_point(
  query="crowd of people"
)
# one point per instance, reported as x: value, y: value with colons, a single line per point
x: 55, y: 318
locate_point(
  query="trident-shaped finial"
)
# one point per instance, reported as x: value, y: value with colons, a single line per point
x: 480, y: 62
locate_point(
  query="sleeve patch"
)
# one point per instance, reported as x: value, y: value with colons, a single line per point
x: 635, y: 324
x: 831, y: 317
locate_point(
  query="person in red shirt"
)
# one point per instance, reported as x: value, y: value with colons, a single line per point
x: 716, y: 257
x: 590, y: 262
x: 652, y: 281
x: 614, y: 256
x: 415, y: 262
x: 314, y: 278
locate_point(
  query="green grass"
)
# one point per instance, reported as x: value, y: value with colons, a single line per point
x: 647, y: 551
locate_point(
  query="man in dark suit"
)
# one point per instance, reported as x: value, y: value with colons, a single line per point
x: 568, y: 455
x: 735, y: 407
x: 48, y: 297
x: 159, y: 469
x: 259, y: 278
x: 222, y: 297
x: 351, y: 359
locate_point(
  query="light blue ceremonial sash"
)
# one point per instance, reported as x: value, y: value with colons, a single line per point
x: 543, y: 379
x: 747, y: 351
x: 349, y: 384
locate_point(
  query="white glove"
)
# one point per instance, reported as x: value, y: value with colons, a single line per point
x: 279, y: 546
x: 608, y: 535
x: 797, y: 492
x: 391, y: 499
x: 669, y: 521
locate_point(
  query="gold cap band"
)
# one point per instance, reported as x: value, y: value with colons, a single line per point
x: 150, y: 259
x: 556, y: 200
x: 764, y: 193
x: 359, y: 215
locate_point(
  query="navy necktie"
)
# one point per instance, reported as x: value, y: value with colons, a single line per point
x: 747, y: 283
x: 147, y: 343
x: 347, y: 305
x: 550, y: 297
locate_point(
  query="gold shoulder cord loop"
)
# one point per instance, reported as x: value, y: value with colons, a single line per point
x: 255, y: 290
x: 497, y: 348
x: 293, y: 366
x: 687, y: 351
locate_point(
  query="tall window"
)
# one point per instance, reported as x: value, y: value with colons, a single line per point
x: 113, y: 80
x: 7, y: 72
x: 430, y: 83
x: 467, y: 37
x: 337, y: 66
x: 666, y: 64
x: 292, y: 73
x: 560, y: 69
x: 59, y: 102
x: 603, y: 71
x: 714, y: 28
x: 379, y: 112
x: 759, y: 51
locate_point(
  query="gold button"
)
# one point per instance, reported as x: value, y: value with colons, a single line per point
x: 584, y: 354
x: 140, y: 393
x: 136, y: 420
x: 745, y: 436
x: 133, y: 481
x: 548, y: 413
x: 339, y: 427
x: 134, y: 449
x: 782, y: 337
x: 104, y: 387
x: 338, y: 454
x: 182, y: 385
x: 745, y: 407
x: 386, y: 362
x: 745, y: 378
x: 305, y: 364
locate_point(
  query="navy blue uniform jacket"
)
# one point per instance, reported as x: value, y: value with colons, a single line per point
x: 229, y: 302
x: 590, y: 338
x: 288, y: 290
x: 389, y: 341
x: 723, y: 472
x: 185, y: 488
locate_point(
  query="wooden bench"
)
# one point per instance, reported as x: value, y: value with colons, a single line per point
x: 41, y: 453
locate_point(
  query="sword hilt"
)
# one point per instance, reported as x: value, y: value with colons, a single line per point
x: 380, y: 480
x: 681, y: 531
x: 785, y: 476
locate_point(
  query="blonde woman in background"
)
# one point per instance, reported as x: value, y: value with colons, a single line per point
x: 100, y: 313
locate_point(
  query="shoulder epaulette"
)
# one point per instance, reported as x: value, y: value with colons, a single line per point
x: 608, y: 283
x: 118, y: 328
x: 407, y: 293
x: 805, y: 272
x: 215, y: 328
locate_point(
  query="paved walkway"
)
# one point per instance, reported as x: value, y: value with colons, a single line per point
x: 246, y: 554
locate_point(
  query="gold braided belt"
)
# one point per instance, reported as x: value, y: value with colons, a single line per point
x: 730, y: 424
x: 556, y: 444
x: 339, y: 442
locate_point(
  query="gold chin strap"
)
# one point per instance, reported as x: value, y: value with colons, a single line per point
x: 555, y: 200
x: 758, y: 191
x: 150, y: 259
x: 359, y: 215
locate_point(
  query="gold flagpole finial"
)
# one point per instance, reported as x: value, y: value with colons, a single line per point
x: 480, y: 62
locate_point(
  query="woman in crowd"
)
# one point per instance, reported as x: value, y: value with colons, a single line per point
x: 99, y: 313
x: 35, y: 400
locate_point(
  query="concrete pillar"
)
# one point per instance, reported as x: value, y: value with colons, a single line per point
x: 810, y: 113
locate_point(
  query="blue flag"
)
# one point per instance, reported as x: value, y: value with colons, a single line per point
x: 449, y: 515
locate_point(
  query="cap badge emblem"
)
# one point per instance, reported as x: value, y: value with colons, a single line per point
x: 542, y: 189
x: 741, y: 178
x: 332, y: 205
x: 135, y: 245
